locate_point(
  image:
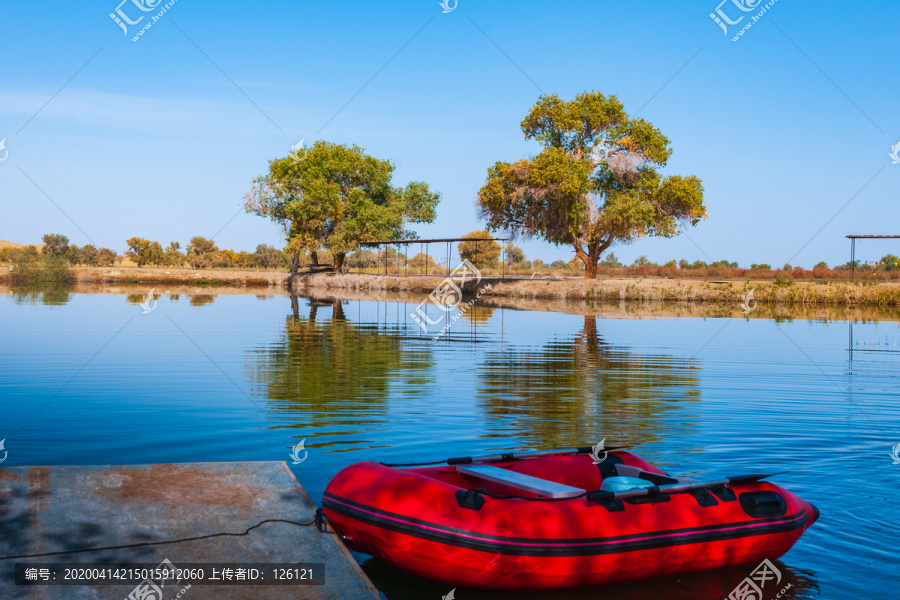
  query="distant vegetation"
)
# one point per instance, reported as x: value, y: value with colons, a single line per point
x: 51, y: 263
x: 29, y: 267
x: 202, y: 253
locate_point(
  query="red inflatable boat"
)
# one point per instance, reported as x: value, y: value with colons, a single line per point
x: 558, y: 521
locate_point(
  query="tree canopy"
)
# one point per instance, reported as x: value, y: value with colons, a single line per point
x: 336, y: 196
x: 55, y: 244
x: 595, y: 182
x: 482, y: 254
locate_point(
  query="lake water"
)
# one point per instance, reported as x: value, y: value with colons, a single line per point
x: 91, y: 379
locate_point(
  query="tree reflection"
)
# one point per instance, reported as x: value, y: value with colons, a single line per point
x: 571, y: 391
x: 333, y: 373
x: 479, y: 314
x: 48, y: 295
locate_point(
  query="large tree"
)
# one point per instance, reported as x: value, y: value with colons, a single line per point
x: 596, y: 181
x: 482, y: 254
x: 335, y: 197
x: 55, y: 244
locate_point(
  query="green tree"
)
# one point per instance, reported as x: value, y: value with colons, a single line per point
x: 89, y: 255
x: 337, y: 197
x: 725, y: 264
x: 684, y: 264
x: 73, y: 255
x: 421, y: 260
x: 200, y: 252
x: 595, y: 183
x: 137, y: 248
x: 611, y: 261
x: 642, y: 261
x: 154, y: 254
x: 482, y: 254
x: 268, y: 257
x: 890, y: 262
x: 761, y: 267
x: 514, y: 254
x: 55, y: 244
x: 173, y: 256
x: 106, y: 257
x: 821, y: 265
x: 576, y: 265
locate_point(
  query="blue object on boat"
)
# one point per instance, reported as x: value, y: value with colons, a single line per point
x: 618, y: 484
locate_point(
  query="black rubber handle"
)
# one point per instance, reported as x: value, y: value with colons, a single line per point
x: 600, y: 496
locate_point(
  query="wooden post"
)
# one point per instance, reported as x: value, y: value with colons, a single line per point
x: 852, y: 258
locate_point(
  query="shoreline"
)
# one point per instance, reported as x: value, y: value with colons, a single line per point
x: 716, y: 292
x: 721, y: 293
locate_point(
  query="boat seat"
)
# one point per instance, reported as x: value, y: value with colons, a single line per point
x: 638, y: 473
x: 520, y: 481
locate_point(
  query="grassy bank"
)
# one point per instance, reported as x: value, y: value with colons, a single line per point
x: 713, y: 291
x: 643, y: 290
x: 134, y: 276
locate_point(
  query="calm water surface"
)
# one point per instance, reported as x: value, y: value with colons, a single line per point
x: 90, y: 379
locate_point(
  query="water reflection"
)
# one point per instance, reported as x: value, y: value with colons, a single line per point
x: 46, y: 295
x: 572, y: 389
x: 479, y: 314
x: 707, y: 585
x: 202, y: 299
x: 336, y: 375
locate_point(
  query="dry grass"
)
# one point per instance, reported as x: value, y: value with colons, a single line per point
x: 644, y: 290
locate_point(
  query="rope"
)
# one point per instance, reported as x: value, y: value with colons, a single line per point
x: 318, y: 521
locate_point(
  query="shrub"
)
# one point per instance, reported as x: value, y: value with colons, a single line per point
x: 41, y: 270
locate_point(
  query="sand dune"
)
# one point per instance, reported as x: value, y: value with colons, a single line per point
x: 5, y: 244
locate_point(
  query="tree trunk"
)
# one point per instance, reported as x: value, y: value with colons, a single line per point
x: 315, y: 256
x: 337, y: 311
x: 295, y: 306
x: 295, y: 262
x: 590, y: 268
x: 338, y: 262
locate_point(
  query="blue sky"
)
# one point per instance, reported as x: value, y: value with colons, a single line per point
x: 161, y: 137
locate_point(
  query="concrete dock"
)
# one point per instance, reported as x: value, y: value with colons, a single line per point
x: 86, y: 514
